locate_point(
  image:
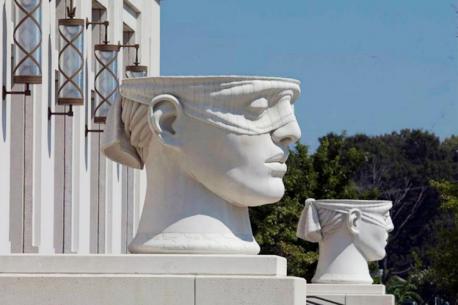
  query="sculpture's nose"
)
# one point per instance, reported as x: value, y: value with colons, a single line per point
x: 287, y: 134
x: 390, y: 225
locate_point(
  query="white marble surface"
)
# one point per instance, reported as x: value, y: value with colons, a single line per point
x: 212, y: 146
x: 350, y: 233
x: 260, y: 265
x: 52, y: 289
x: 211, y: 290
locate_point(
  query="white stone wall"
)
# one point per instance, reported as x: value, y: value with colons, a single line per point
x: 58, y: 194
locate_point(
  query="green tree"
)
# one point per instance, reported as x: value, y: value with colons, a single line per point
x: 335, y: 163
x: 444, y: 254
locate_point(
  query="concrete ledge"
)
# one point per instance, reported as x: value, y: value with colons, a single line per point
x: 247, y: 265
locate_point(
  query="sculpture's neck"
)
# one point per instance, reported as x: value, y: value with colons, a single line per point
x: 340, y: 261
x: 180, y: 209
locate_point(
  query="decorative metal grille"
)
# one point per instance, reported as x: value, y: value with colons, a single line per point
x: 27, y: 39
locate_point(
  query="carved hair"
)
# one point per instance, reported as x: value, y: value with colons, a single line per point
x: 330, y: 221
x: 135, y: 119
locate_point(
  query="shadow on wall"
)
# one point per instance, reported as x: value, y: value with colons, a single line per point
x: 50, y: 91
x: 86, y: 113
x: 4, y: 67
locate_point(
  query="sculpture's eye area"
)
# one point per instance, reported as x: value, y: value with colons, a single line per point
x: 258, y: 106
x: 386, y: 217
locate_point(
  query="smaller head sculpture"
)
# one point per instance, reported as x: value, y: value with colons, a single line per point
x: 340, y: 225
x: 206, y: 143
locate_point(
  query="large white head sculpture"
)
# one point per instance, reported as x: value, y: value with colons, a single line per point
x: 212, y: 147
x: 350, y: 233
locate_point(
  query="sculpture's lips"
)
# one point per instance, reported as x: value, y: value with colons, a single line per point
x: 278, y: 158
x: 277, y: 169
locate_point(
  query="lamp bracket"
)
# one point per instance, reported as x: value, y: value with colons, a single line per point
x: 87, y: 130
x: 136, y: 46
x: 67, y: 113
x: 71, y: 10
x: 105, y: 23
x: 26, y: 92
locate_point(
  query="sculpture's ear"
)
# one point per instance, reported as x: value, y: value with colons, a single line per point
x: 354, y: 221
x: 164, y: 112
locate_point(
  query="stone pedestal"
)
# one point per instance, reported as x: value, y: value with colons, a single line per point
x: 148, y: 280
x: 342, y: 294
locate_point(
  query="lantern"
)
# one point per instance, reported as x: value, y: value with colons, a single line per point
x: 135, y: 70
x: 106, y: 80
x: 27, y: 39
x: 71, y: 62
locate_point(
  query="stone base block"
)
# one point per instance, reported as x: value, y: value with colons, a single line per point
x: 48, y: 289
x: 51, y: 289
x: 250, y: 290
x: 344, y: 294
x: 148, y: 280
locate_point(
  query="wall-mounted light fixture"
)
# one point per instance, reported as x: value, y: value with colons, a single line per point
x: 27, y: 42
x: 136, y: 70
x: 71, y: 59
x: 106, y: 80
x: 27, y: 46
x: 71, y: 62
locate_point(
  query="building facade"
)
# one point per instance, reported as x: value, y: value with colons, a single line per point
x: 58, y: 193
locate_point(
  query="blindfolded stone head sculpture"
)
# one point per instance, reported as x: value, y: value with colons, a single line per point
x: 350, y: 233
x: 212, y: 147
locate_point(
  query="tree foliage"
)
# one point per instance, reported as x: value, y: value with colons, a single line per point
x: 444, y: 254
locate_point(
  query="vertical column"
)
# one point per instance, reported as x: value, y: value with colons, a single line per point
x: 44, y: 159
x: 97, y: 169
x: 69, y: 246
x: 30, y: 228
x: 114, y: 171
x: 16, y: 172
x: 128, y: 55
x: 150, y: 32
x: 130, y: 208
x: 58, y: 139
x: 124, y: 210
x: 102, y: 199
x: 83, y: 161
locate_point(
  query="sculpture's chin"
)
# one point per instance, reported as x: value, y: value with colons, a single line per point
x: 376, y: 255
x: 257, y: 198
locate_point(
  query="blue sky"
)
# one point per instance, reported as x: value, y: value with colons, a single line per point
x: 367, y: 66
